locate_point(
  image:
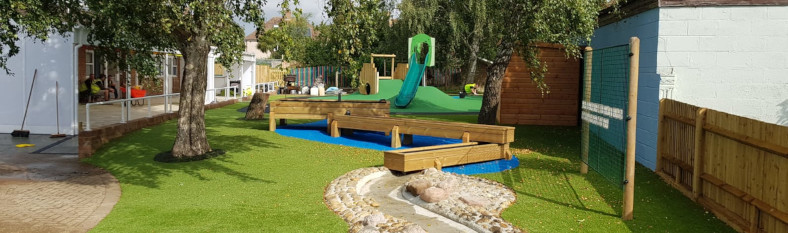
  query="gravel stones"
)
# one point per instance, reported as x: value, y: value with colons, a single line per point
x: 477, y: 203
x: 417, y: 187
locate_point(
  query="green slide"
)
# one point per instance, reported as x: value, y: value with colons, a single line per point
x: 412, y: 80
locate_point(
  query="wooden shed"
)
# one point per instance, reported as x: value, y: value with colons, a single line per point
x: 522, y: 103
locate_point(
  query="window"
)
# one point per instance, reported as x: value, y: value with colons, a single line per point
x: 173, y: 66
x: 89, y: 62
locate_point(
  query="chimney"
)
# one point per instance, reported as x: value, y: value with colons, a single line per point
x: 288, y: 16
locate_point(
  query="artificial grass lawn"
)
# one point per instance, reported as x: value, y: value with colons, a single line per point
x: 267, y: 182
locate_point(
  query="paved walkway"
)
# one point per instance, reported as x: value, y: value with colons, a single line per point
x: 51, y: 192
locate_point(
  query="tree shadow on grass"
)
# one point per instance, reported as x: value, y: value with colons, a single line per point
x: 130, y: 158
x: 531, y: 167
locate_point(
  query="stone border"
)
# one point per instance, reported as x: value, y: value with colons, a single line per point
x: 91, y: 141
x: 482, y: 217
x: 342, y: 197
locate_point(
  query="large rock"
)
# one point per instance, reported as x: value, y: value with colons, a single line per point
x: 475, y: 200
x: 449, y: 184
x: 417, y: 187
x: 374, y: 219
x: 413, y: 228
x: 433, y: 194
x: 256, y: 110
x: 429, y: 171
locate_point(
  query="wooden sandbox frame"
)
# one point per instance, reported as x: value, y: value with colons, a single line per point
x: 284, y: 109
x: 496, y: 140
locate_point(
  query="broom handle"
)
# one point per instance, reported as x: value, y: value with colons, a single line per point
x: 28, y: 98
x: 57, y: 105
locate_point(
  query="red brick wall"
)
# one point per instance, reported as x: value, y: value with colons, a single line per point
x: 522, y: 102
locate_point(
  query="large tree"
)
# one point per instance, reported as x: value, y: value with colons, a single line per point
x: 354, y: 32
x: 136, y: 30
x: 522, y: 24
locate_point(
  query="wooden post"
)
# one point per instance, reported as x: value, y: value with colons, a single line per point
x: 395, y: 141
x: 466, y: 137
x: 271, y: 121
x: 629, y: 187
x: 697, y: 166
x: 334, y: 129
x: 438, y: 164
x: 660, y: 134
x: 586, y: 97
x: 329, y: 118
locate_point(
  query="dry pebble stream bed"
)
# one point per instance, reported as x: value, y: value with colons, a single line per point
x: 374, y: 200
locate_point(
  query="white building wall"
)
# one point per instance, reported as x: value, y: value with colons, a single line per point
x: 53, y: 59
x: 644, y: 26
x: 733, y: 59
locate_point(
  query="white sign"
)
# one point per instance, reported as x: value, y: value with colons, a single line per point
x: 595, y: 120
x: 615, y: 113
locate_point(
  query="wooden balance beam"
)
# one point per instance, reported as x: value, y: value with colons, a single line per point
x: 465, y: 131
x: 284, y: 109
x: 444, y: 155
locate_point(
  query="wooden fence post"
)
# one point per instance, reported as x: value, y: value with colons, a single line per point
x: 660, y: 134
x: 629, y: 186
x: 697, y: 165
x: 586, y: 96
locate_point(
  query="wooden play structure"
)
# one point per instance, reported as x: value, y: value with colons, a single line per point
x: 495, y: 140
x: 420, y: 158
x: 369, y: 74
x: 284, y: 109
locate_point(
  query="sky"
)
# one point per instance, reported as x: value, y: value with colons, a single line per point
x: 314, y: 7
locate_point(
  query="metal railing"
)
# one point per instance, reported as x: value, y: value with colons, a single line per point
x: 125, y: 107
x: 212, y: 92
x: 266, y: 87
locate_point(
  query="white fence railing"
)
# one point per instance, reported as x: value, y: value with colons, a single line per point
x: 265, y: 87
x: 125, y: 107
x: 214, y: 92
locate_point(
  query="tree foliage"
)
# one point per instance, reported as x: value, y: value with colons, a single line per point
x: 354, y: 32
x: 35, y: 19
x: 522, y: 24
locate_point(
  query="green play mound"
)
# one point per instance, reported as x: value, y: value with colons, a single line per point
x: 428, y: 99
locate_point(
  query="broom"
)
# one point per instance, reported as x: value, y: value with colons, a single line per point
x: 57, y: 112
x: 22, y: 132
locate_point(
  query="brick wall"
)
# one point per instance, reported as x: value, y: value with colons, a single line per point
x: 90, y: 141
x: 734, y: 59
x: 523, y: 103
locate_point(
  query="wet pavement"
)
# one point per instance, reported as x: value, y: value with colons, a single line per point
x: 44, y: 188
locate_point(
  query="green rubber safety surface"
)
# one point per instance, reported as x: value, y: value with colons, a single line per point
x: 428, y: 99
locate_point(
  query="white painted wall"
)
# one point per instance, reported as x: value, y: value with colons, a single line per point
x: 644, y: 26
x: 53, y: 59
x: 732, y: 59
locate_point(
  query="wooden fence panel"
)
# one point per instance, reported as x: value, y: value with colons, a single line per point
x: 267, y: 74
x: 734, y: 166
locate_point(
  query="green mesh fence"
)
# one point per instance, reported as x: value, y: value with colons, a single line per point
x: 605, y: 101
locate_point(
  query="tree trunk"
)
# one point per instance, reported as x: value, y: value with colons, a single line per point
x: 470, y: 75
x: 191, y: 139
x: 492, y: 89
x: 256, y: 109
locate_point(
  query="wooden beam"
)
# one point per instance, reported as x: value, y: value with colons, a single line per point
x: 757, y: 143
x: 629, y: 186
